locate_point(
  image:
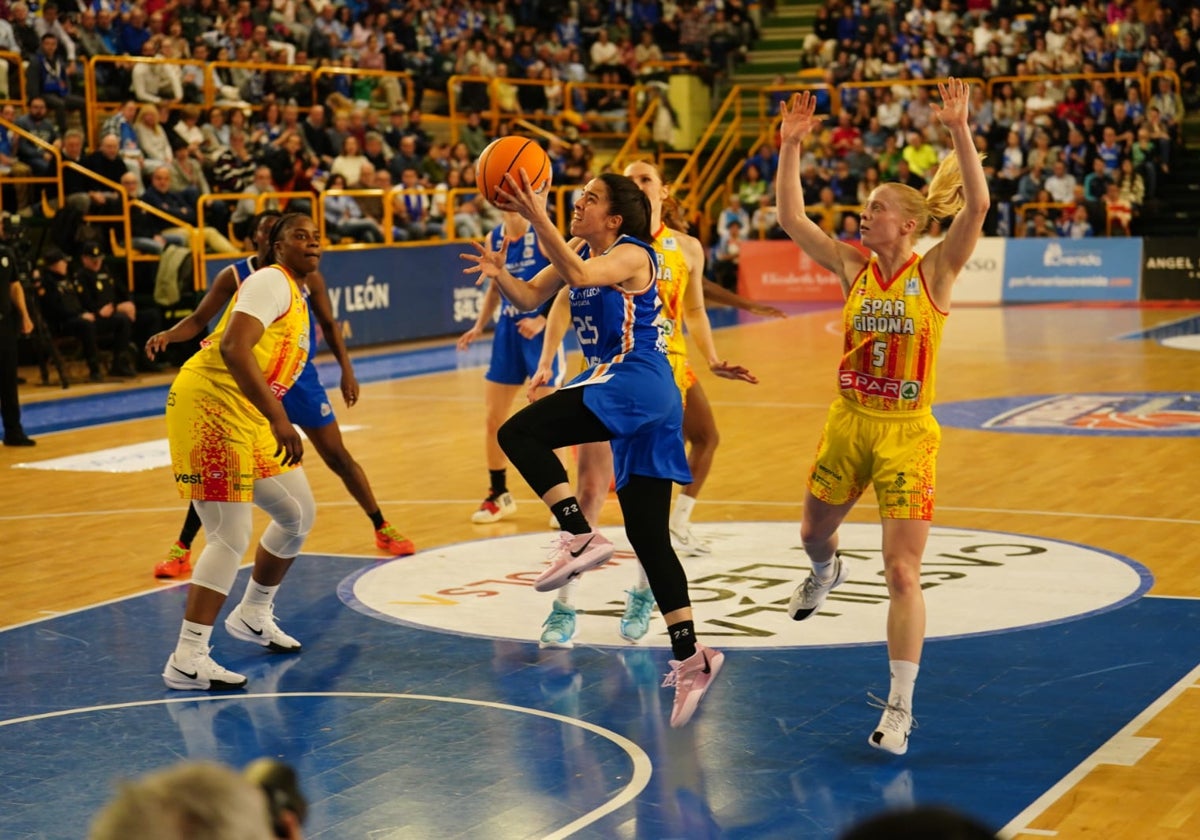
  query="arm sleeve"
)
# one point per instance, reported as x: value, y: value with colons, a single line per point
x: 266, y: 294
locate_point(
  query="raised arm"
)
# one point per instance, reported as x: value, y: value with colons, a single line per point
x: 798, y: 121
x: 223, y: 289
x: 947, y: 258
x: 621, y: 264
x: 489, y: 265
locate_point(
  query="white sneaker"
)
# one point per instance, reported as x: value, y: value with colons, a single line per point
x: 199, y: 671
x: 810, y: 595
x: 891, y: 735
x: 259, y: 627
x: 495, y: 507
x: 686, y: 543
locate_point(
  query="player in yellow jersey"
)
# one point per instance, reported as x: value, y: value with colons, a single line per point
x: 306, y: 404
x: 232, y: 445
x: 681, y: 291
x: 880, y: 430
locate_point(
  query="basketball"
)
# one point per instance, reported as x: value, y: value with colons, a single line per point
x: 508, y: 156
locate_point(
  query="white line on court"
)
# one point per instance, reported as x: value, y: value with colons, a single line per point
x: 705, y: 503
x: 642, y: 766
x: 1125, y: 748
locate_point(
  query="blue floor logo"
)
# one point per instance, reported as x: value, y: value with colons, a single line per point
x: 1167, y: 413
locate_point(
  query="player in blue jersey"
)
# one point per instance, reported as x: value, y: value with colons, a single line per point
x: 306, y: 404
x: 626, y: 396
x: 516, y: 351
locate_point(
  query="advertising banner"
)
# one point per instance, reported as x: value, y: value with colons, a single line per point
x: 777, y: 270
x: 1092, y: 269
x: 1171, y: 268
x: 382, y: 295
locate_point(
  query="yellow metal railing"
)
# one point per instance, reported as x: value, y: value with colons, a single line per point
x: 17, y: 70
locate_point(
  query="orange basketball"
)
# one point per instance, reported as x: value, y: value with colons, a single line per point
x: 508, y: 156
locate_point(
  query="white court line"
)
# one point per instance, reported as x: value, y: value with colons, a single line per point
x: 703, y: 503
x: 1125, y: 749
x: 638, y: 780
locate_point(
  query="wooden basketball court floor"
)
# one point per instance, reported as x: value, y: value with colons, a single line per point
x: 1059, y: 691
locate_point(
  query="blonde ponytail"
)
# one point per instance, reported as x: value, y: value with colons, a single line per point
x: 943, y: 197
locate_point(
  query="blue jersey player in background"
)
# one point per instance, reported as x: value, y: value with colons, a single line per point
x: 516, y: 351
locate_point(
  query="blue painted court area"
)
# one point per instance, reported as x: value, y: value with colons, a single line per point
x: 408, y: 732
x: 1184, y: 326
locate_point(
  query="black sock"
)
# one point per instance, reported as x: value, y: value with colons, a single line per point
x: 683, y: 639
x: 570, y: 517
x: 376, y: 519
x: 191, y: 527
x: 498, y: 481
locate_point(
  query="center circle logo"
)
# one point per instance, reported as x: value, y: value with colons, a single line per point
x: 975, y: 582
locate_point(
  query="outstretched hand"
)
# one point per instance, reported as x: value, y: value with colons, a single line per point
x: 956, y: 99
x: 727, y: 371
x: 766, y: 310
x: 488, y: 264
x: 798, y: 117
x: 156, y: 344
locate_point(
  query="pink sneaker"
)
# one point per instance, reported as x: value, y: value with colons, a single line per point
x: 691, y: 679
x: 571, y: 556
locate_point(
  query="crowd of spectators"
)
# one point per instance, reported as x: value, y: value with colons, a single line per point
x: 1088, y: 156
x: 186, y: 129
x: 346, y: 132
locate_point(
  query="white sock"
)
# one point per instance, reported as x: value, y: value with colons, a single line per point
x: 681, y: 514
x: 258, y: 597
x: 643, y: 582
x: 904, y: 680
x: 566, y: 594
x: 823, y: 571
x: 193, y: 638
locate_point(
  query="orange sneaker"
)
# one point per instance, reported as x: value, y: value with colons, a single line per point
x: 393, y: 542
x: 177, y: 564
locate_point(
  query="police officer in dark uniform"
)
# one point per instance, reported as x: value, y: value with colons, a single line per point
x: 14, y: 321
x: 108, y: 298
x: 62, y: 302
x: 110, y: 303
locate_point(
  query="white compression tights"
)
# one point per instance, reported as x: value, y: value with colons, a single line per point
x: 228, y: 527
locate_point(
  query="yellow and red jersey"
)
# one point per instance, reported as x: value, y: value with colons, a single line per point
x: 892, y: 333
x: 281, y: 353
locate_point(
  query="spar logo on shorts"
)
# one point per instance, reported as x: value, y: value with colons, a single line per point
x: 1169, y: 413
x: 741, y: 590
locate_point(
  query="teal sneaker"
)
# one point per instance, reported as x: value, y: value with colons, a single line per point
x: 636, y: 621
x: 559, y: 627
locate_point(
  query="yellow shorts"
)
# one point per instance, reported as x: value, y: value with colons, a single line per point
x: 219, y: 442
x: 898, y: 457
x: 685, y: 377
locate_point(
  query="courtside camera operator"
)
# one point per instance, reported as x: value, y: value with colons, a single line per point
x: 284, y: 798
x: 14, y: 322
